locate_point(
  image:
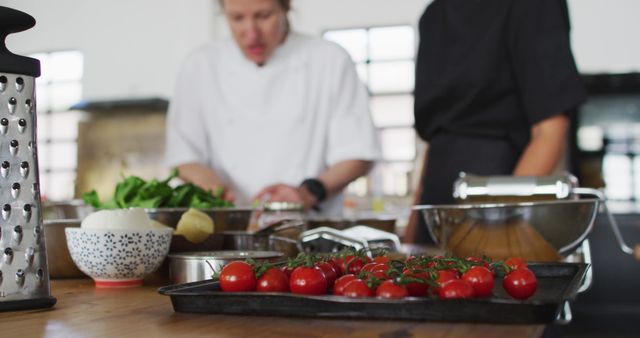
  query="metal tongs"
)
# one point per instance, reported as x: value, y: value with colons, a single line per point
x: 326, y: 239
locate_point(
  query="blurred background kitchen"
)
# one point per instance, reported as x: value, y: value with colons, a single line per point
x: 109, y: 68
x: 108, y: 65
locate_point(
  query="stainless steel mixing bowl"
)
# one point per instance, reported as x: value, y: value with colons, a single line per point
x: 224, y: 219
x: 542, y: 231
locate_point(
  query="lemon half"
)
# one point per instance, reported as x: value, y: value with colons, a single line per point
x: 195, y: 225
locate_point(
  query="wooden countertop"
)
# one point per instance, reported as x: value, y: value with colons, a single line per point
x: 84, y: 311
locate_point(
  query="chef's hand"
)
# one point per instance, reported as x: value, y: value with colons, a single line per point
x: 227, y: 193
x: 287, y: 193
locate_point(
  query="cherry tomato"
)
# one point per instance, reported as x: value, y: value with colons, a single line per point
x: 352, y: 264
x: 437, y: 260
x: 417, y: 289
x: 474, y: 259
x: 378, y: 270
x: 481, y: 279
x: 388, y: 289
x: 273, y: 280
x: 515, y: 263
x: 434, y: 261
x: 308, y: 281
x: 336, y: 266
x: 338, y: 286
x: 382, y: 259
x: 520, y: 283
x: 329, y: 273
x: 444, y: 276
x: 455, y: 288
x: 287, y: 270
x: 368, y: 267
x: 237, y: 276
x: 478, y: 260
x: 357, y: 288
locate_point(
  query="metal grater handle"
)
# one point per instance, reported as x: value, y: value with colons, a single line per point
x: 13, y: 21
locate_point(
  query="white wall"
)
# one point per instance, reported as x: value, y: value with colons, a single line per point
x: 316, y: 16
x: 606, y: 35
x: 133, y: 48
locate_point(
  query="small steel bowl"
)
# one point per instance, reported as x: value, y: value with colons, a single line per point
x: 197, y: 266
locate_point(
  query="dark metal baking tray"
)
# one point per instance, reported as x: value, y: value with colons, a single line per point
x: 557, y: 283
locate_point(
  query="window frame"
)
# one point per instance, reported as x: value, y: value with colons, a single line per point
x: 375, y: 180
x: 46, y: 111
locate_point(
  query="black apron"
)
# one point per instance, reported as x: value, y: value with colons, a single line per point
x: 486, y: 73
x: 449, y: 154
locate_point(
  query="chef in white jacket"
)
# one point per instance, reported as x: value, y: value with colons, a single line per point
x: 271, y: 114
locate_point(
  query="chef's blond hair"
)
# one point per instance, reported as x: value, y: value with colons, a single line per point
x: 285, y: 4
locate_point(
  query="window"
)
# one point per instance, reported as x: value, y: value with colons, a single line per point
x: 384, y: 57
x: 58, y: 87
x: 608, y: 141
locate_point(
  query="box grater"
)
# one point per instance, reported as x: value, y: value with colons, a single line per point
x: 24, y: 277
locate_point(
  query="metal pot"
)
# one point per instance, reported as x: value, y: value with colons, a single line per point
x: 60, y: 263
x: 197, y: 266
x: 66, y: 210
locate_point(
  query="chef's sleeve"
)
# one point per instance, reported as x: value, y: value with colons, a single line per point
x: 186, y: 136
x: 540, y: 50
x: 352, y: 134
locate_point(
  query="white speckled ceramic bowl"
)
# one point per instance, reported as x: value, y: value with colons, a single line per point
x: 118, y: 258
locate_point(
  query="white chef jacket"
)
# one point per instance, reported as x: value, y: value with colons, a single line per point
x: 290, y: 119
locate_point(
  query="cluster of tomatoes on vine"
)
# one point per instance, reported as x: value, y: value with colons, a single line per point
x: 354, y: 274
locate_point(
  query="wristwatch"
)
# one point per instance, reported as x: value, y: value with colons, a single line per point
x: 316, y: 188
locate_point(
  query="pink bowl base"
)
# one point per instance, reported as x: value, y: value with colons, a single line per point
x: 123, y: 283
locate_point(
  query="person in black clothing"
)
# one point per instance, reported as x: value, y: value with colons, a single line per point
x: 495, y: 83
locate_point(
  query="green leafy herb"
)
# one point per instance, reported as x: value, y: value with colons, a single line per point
x: 133, y: 191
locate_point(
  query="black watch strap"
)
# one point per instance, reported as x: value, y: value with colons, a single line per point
x: 316, y: 188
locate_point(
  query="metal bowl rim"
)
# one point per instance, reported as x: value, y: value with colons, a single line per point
x: 468, y: 206
x: 120, y: 231
x: 71, y: 202
x: 216, y: 255
x: 61, y: 221
x: 184, y: 209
